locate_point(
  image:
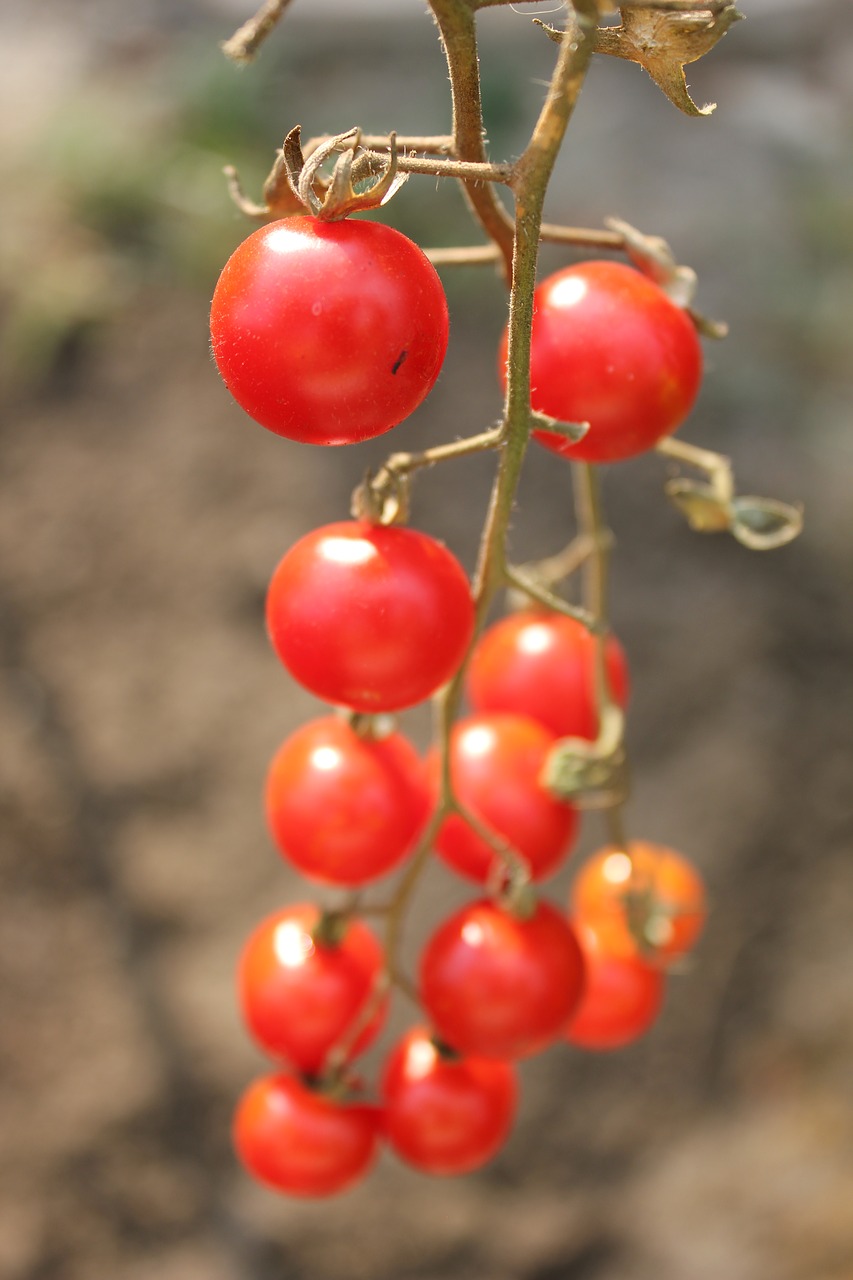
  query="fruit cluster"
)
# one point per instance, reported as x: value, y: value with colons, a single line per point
x: 333, y: 332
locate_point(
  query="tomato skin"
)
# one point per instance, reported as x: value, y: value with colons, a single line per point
x: 370, y: 617
x: 444, y: 1114
x: 611, y: 349
x: 300, y: 1142
x: 621, y: 1000
x: 542, y: 664
x: 665, y: 895
x: 328, y: 332
x: 496, y: 763
x: 298, y: 996
x: 342, y: 808
x: 497, y: 986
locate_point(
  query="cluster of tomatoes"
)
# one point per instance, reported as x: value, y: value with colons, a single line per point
x: 333, y: 332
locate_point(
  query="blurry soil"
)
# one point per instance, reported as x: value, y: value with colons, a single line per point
x: 141, y: 516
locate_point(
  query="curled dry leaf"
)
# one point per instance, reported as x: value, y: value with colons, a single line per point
x: 663, y: 41
x: 762, y: 524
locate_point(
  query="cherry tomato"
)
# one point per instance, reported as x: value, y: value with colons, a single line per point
x: 328, y: 332
x: 299, y: 1141
x: 651, y: 904
x: 496, y: 763
x: 300, y: 996
x: 621, y: 1000
x: 370, y: 617
x: 343, y: 808
x: 446, y: 1114
x: 498, y: 986
x: 610, y: 348
x: 542, y: 665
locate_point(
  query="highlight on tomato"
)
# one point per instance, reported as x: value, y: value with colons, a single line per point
x: 371, y: 617
x: 300, y: 1141
x: 444, y: 1113
x: 648, y: 901
x: 622, y: 997
x: 328, y: 332
x: 496, y: 762
x: 611, y: 349
x: 542, y: 664
x: 345, y: 807
x: 304, y: 982
x: 499, y: 985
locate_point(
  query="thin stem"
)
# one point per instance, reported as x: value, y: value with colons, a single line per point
x: 590, y: 514
x: 516, y: 867
x: 467, y: 170
x: 455, y: 21
x: 716, y: 466
x: 439, y: 144
x: 537, y: 591
x: 384, y: 498
x: 553, y: 569
x: 583, y: 237
x: 401, y: 463
x: 246, y: 41
x: 464, y: 256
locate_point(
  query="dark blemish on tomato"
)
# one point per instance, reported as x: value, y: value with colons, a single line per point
x: 400, y: 358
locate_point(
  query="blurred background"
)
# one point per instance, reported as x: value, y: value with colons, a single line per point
x: 141, y: 516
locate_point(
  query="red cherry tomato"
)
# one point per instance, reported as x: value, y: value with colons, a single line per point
x: 496, y: 763
x: 542, y: 665
x: 446, y: 1114
x: 610, y: 348
x: 651, y: 904
x: 621, y: 1000
x: 343, y: 808
x: 328, y: 332
x: 300, y: 996
x: 299, y: 1141
x: 370, y: 617
x: 497, y: 986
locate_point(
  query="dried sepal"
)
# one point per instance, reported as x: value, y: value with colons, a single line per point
x: 591, y: 775
x: 338, y: 195
x: 664, y: 40
x: 383, y: 498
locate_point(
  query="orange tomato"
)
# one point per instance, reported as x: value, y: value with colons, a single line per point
x: 647, y: 901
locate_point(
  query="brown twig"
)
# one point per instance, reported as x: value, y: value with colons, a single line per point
x: 246, y: 41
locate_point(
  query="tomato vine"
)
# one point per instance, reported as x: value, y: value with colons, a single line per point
x: 332, y: 331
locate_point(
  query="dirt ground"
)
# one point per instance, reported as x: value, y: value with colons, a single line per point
x: 141, y: 516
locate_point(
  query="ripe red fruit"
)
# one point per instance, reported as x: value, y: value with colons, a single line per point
x: 611, y: 349
x: 498, y: 986
x: 328, y: 332
x: 370, y: 617
x: 301, y: 996
x: 446, y: 1114
x: 344, y: 808
x: 621, y: 1000
x: 300, y: 1141
x: 650, y: 905
x: 496, y: 763
x: 542, y: 665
